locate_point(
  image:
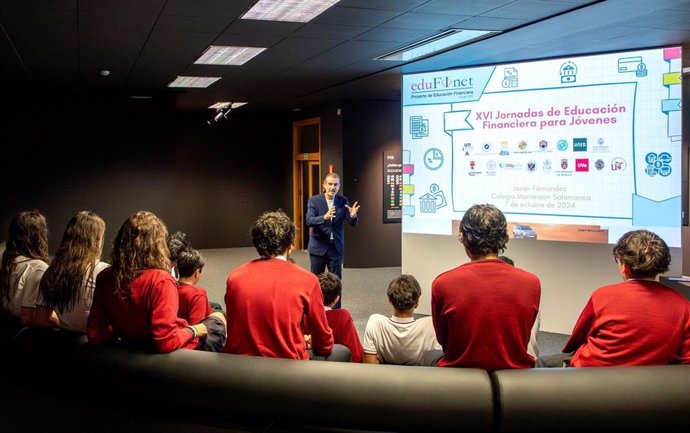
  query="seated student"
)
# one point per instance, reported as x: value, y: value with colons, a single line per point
x: 136, y: 299
x: 639, y: 321
x: 399, y: 339
x: 177, y: 242
x: 339, y: 320
x: 66, y: 289
x: 194, y: 305
x: 23, y: 264
x: 484, y: 311
x: 270, y: 301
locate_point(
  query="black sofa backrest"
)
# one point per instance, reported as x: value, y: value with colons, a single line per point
x: 611, y: 399
x: 314, y: 393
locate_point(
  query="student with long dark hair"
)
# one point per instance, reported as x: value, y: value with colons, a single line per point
x: 23, y: 264
x: 136, y: 299
x: 66, y: 290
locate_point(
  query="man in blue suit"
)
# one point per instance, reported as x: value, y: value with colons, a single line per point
x: 325, y: 215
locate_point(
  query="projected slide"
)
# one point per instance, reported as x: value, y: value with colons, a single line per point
x: 576, y: 149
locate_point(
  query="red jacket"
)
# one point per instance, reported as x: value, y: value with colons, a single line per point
x: 148, y: 317
x: 483, y: 313
x: 268, y: 303
x: 636, y: 322
x: 344, y: 332
x: 194, y: 305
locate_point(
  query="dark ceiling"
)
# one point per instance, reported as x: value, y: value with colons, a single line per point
x: 145, y: 44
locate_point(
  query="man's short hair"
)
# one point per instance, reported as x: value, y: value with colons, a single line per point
x: 404, y: 292
x: 272, y: 233
x: 484, y: 230
x: 188, y: 261
x: 331, y: 287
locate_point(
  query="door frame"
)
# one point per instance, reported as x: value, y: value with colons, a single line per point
x: 299, y: 190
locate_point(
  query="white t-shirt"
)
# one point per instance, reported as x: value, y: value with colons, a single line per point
x: 533, y: 345
x: 24, y: 282
x: 399, y: 340
x: 75, y: 320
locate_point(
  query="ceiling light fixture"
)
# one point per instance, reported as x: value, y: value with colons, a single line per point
x: 222, y: 55
x: 446, y: 40
x: 199, y: 82
x: 223, y: 109
x: 297, y: 11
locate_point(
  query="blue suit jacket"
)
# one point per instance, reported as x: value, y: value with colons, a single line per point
x: 321, y: 229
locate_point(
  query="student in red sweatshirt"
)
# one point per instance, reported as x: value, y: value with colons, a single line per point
x: 639, y: 321
x: 136, y: 299
x: 270, y: 301
x: 339, y: 320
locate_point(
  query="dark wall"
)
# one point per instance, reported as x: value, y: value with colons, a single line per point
x: 115, y: 156
x: 209, y: 181
x: 228, y: 174
x: 369, y: 129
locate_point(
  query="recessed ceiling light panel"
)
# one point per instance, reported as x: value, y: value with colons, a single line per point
x: 298, y: 11
x: 227, y: 55
x: 224, y: 105
x: 193, y: 81
x: 443, y: 41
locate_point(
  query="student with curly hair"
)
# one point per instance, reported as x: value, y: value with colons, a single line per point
x: 177, y: 242
x: 136, y: 299
x: 270, y: 302
x: 66, y: 289
x: 483, y: 311
x: 639, y: 321
x: 23, y: 264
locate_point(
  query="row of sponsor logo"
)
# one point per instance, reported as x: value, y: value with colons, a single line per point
x: 579, y: 164
x: 522, y: 146
x: 655, y: 164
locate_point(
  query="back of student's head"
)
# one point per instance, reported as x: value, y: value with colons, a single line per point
x: 177, y: 242
x: 140, y: 244
x: 272, y: 233
x: 404, y: 292
x: 188, y: 261
x: 484, y: 230
x: 62, y: 284
x: 644, y: 252
x: 331, y: 287
x: 27, y: 236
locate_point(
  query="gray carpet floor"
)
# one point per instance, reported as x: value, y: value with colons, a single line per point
x: 364, y: 289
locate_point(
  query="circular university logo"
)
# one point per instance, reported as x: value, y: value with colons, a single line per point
x: 599, y: 164
x: 618, y: 164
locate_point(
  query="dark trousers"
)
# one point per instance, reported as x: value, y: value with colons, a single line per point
x: 339, y: 353
x: 217, y: 334
x: 333, y: 261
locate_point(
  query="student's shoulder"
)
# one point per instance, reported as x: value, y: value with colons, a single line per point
x: 340, y: 313
x: 377, y: 319
x: 37, y: 265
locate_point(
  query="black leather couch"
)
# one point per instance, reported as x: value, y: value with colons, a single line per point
x: 53, y: 381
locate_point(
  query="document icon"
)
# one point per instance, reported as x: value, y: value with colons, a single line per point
x: 510, y: 78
